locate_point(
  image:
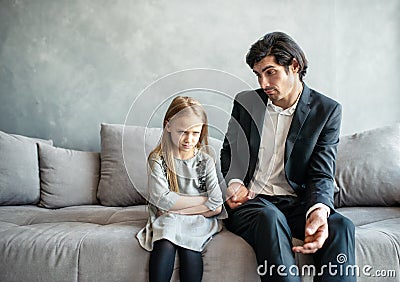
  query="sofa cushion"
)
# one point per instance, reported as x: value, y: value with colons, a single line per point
x: 367, y: 215
x: 96, y: 214
x: 19, y: 169
x: 68, y: 177
x: 97, y: 243
x: 124, y: 152
x: 377, y: 248
x: 368, y: 168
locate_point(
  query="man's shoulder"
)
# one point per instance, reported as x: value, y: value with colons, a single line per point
x: 318, y: 97
x: 249, y: 97
x: 250, y: 93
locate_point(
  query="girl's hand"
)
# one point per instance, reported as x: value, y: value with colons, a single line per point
x: 159, y: 213
x: 209, y: 213
x: 199, y: 210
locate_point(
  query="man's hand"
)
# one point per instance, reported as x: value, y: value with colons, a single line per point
x: 237, y: 194
x: 316, y: 232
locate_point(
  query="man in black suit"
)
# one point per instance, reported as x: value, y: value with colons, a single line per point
x: 278, y: 159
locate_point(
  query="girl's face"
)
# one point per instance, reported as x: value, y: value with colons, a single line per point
x: 185, y: 134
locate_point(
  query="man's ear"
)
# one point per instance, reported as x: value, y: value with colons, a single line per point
x: 295, y: 66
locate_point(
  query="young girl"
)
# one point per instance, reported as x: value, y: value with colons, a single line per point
x: 184, y: 195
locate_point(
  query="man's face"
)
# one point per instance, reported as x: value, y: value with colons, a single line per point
x: 277, y: 83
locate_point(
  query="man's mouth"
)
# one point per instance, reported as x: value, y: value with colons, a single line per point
x: 269, y: 91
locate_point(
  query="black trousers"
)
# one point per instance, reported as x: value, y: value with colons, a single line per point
x: 162, y: 259
x: 268, y: 224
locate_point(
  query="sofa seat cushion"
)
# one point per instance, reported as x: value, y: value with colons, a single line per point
x: 75, y: 251
x: 377, y: 240
x: 75, y: 243
x: 81, y: 242
x: 78, y: 243
x: 378, y: 248
x: 96, y: 214
x: 366, y: 215
x: 377, y: 234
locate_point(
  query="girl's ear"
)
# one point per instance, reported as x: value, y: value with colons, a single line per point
x: 168, y: 127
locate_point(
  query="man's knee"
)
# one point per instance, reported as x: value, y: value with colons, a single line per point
x: 269, y: 217
x: 271, y: 224
x: 339, y: 223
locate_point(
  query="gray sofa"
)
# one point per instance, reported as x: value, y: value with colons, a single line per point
x: 67, y: 215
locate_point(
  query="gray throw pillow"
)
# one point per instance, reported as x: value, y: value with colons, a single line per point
x: 19, y: 169
x: 68, y: 177
x: 368, y: 168
x: 124, y: 150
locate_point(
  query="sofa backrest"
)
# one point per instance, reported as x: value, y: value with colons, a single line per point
x: 32, y: 171
x: 368, y: 168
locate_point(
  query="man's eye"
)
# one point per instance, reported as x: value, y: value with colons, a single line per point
x: 271, y: 72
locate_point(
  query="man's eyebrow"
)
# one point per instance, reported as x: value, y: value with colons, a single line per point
x: 267, y: 67
x: 264, y: 69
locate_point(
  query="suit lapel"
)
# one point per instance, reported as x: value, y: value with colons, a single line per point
x: 258, y: 112
x: 300, y: 115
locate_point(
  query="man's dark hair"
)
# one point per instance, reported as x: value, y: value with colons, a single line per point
x: 280, y: 45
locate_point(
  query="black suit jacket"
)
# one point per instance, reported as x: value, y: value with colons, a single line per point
x: 310, y: 148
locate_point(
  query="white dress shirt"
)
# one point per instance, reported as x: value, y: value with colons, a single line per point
x: 269, y: 177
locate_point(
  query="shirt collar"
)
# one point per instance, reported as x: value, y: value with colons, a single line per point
x: 288, y: 112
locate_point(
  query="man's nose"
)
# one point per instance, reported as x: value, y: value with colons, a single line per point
x: 264, y: 82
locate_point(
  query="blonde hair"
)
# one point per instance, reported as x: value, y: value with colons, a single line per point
x: 185, y: 105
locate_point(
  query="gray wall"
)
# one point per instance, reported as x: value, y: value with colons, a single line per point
x: 67, y: 66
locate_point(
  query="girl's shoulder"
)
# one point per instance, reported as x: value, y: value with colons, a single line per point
x: 155, y: 160
x: 157, y: 165
x: 207, y: 157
